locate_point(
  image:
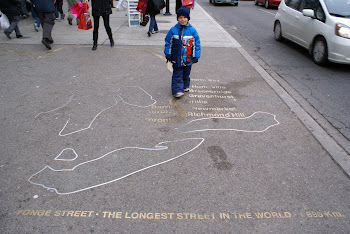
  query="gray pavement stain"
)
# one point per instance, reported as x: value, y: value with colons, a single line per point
x: 219, y: 157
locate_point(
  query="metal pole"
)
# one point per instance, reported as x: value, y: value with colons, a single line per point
x: 167, y: 12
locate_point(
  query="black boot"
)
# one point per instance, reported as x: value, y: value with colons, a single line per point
x: 94, y: 45
x: 94, y: 38
x: 110, y: 36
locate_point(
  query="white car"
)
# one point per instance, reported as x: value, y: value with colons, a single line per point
x: 321, y: 26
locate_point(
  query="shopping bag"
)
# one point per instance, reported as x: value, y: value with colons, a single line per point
x: 77, y: 9
x: 188, y: 3
x: 4, y: 21
x: 142, y: 6
x: 85, y: 21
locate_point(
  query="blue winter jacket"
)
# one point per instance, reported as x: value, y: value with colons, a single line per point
x: 44, y: 5
x: 183, y: 44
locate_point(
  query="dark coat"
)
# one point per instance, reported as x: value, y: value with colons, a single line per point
x: 44, y: 5
x: 101, y: 7
x: 151, y: 9
x: 10, y: 7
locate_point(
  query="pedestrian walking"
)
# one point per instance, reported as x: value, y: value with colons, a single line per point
x: 11, y: 8
x: 46, y: 13
x: 70, y: 16
x: 182, y: 49
x: 153, y: 9
x: 120, y: 4
x: 59, y: 9
x: 101, y: 8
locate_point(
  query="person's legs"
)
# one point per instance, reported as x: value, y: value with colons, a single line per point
x: 14, y: 20
x: 186, y: 76
x: 95, y: 32
x: 47, y: 21
x: 108, y: 28
x: 120, y: 4
x: 152, y: 24
x: 177, y: 82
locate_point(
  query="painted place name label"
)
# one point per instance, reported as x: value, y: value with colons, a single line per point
x: 180, y: 216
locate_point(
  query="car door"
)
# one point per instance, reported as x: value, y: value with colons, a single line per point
x: 306, y: 27
x: 290, y: 12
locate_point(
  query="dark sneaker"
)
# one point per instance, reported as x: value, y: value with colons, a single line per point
x: 46, y: 43
x: 36, y: 28
x: 186, y: 90
x: 19, y: 36
x: 62, y: 16
x: 70, y: 20
x: 149, y: 34
x: 154, y: 32
x: 8, y: 35
x: 50, y: 41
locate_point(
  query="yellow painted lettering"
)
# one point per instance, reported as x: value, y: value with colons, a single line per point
x: 41, y: 212
x: 26, y: 212
x: 274, y: 215
x: 164, y: 216
x: 171, y: 215
x: 249, y: 215
x: 48, y: 212
x: 179, y: 216
x: 57, y: 213
x: 19, y: 212
x: 90, y: 213
x: 77, y: 213
x: 83, y: 214
x: 70, y: 213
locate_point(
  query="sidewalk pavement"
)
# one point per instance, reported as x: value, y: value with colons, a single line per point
x: 212, y: 35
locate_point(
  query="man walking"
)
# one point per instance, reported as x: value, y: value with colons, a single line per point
x: 46, y: 13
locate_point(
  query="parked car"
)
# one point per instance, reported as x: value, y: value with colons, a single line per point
x: 321, y: 26
x: 268, y: 3
x: 216, y: 2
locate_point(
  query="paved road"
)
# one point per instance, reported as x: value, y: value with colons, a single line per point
x: 94, y: 142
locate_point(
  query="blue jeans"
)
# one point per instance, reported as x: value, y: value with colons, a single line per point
x: 180, y: 79
x: 153, y: 24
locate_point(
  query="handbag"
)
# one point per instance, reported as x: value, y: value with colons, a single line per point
x: 4, y: 21
x: 85, y: 22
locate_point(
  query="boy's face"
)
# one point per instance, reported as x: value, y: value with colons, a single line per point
x: 182, y: 20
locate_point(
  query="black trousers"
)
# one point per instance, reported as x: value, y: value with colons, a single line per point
x: 47, y: 20
x: 97, y: 24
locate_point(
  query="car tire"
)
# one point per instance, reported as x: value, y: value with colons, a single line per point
x: 277, y: 30
x: 214, y: 2
x: 267, y: 6
x: 320, y: 51
x: 256, y: 2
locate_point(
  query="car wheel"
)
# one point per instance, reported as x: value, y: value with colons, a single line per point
x: 267, y: 4
x: 278, y: 31
x: 256, y: 2
x: 215, y: 4
x: 320, y: 51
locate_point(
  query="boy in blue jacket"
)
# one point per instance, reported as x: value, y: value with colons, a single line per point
x: 182, y: 49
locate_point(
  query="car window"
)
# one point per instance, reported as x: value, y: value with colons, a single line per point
x: 339, y: 8
x: 309, y: 4
x: 294, y: 4
x: 319, y: 13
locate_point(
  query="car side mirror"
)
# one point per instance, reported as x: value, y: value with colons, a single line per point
x: 309, y: 13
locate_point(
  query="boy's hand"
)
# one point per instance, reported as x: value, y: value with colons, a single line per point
x: 168, y: 58
x: 194, y: 60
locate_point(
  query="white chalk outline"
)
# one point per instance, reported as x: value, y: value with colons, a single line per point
x: 116, y: 102
x: 157, y: 147
x: 232, y: 129
x: 70, y: 99
x: 64, y: 159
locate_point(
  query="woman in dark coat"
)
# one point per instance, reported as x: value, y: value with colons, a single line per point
x: 11, y: 8
x: 101, y: 8
x: 152, y: 11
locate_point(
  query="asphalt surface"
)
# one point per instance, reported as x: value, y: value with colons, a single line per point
x: 92, y: 141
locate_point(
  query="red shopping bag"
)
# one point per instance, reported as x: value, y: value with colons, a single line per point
x: 85, y: 22
x: 188, y: 3
x: 142, y: 6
